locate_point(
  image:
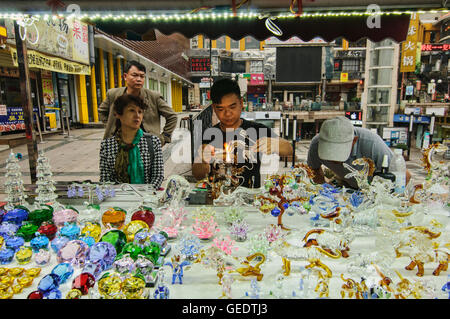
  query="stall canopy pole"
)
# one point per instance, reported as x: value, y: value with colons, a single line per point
x: 25, y: 92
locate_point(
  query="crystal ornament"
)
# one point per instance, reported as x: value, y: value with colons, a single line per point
x: 133, y: 227
x: 95, y: 269
x: 39, y: 242
x: 74, y: 252
x: 71, y: 231
x: 144, y: 214
x: 6, y: 255
x: 74, y: 294
x: 14, y: 187
x: 92, y: 229
x: 83, y: 282
x: 62, y: 216
x: 89, y: 240
x: 133, y: 287
x: 40, y: 215
x: 58, y: 242
x: 115, y: 237
x: 45, y: 183
x: 48, y: 230
x: 42, y: 258
x: 124, y: 265
x: 48, y: 283
x: 16, y: 216
x: 91, y: 214
x: 23, y: 255
x: 35, y: 295
x: 14, y: 242
x: 64, y: 271
x: 54, y: 294
x: 110, y: 285
x: 27, y: 231
x: 114, y: 218
x: 103, y: 251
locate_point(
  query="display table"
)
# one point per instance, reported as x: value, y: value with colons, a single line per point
x: 200, y: 282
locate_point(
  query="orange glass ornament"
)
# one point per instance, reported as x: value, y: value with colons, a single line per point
x: 114, y: 218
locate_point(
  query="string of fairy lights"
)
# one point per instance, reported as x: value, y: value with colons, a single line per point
x: 202, y: 16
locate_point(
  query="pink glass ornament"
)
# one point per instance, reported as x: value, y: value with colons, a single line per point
x: 74, y: 252
x: 205, y: 229
x: 64, y: 216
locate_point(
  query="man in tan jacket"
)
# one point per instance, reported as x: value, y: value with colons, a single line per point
x: 134, y: 76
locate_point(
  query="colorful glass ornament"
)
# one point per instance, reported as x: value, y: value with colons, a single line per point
x: 48, y: 229
x: 115, y: 237
x: 239, y: 230
x: 62, y: 216
x: 64, y: 271
x: 74, y: 294
x: 7, y: 229
x: 89, y: 240
x: 109, y: 285
x: 16, y: 216
x: 103, y: 251
x: 95, y: 269
x: 83, y: 282
x: 124, y: 265
x: 35, y: 295
x: 54, y: 294
x: 133, y: 227
x: 114, y: 218
x: 23, y: 255
x: 132, y: 250
x: 92, y: 229
x: 14, y: 242
x: 33, y: 272
x: 38, y: 216
x: 71, y: 231
x: 58, y: 242
x: 27, y: 231
x: 74, y: 252
x: 91, y: 214
x: 133, y: 287
x: 42, y: 258
x: 152, y: 251
x: 144, y: 214
x: 48, y: 283
x: 39, y: 242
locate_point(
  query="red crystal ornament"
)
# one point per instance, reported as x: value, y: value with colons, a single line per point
x: 83, y: 282
x: 48, y: 230
x: 35, y: 295
x: 146, y: 215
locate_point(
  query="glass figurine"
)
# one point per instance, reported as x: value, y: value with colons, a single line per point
x: 177, y: 269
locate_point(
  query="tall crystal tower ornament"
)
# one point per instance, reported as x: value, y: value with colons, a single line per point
x: 45, y: 183
x: 14, y: 183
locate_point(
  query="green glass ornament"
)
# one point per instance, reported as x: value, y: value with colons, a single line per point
x: 115, y: 237
x: 38, y: 216
x: 27, y: 231
x: 152, y: 251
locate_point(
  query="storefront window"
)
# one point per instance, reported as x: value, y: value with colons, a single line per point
x: 221, y: 42
x: 234, y: 44
x: 382, y: 57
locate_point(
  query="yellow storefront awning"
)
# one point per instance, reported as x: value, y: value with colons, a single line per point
x: 50, y: 63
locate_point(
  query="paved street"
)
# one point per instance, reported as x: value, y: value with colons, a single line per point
x: 76, y: 158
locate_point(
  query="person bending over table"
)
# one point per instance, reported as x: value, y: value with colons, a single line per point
x: 131, y: 155
x: 253, y: 139
x: 340, y: 142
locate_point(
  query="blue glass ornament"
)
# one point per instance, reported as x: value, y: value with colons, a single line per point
x: 159, y: 239
x: 8, y: 229
x: 64, y: 271
x: 39, y: 242
x: 70, y: 231
x: 275, y: 212
x: 54, y: 294
x: 48, y: 283
x: 286, y: 205
x: 16, y: 216
x: 58, y: 242
x: 14, y: 242
x: 80, y: 192
x: 89, y: 240
x: 6, y: 255
x: 356, y: 199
